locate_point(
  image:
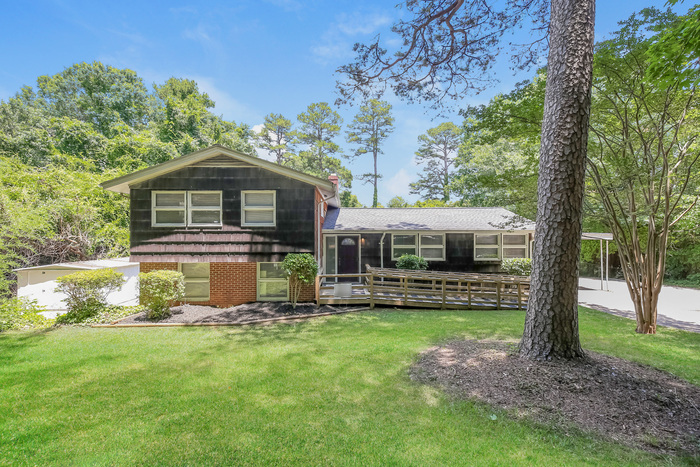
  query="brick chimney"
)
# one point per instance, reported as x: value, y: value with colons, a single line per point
x: 333, y: 178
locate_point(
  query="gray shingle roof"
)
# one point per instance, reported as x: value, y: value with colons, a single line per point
x: 447, y: 219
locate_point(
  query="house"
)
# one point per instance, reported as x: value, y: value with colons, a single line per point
x: 39, y: 282
x: 226, y: 220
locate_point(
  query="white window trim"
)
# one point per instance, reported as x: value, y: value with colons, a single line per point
x: 197, y: 280
x: 244, y: 208
x: 191, y: 208
x: 276, y: 279
x: 187, y: 208
x: 432, y: 247
x: 155, y: 209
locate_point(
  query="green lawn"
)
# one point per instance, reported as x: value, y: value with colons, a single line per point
x: 326, y: 391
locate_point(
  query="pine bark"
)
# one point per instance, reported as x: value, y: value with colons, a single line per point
x: 551, y: 323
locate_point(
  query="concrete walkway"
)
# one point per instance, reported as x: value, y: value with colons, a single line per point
x: 678, y: 307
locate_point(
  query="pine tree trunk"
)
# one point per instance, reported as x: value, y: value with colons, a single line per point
x: 551, y: 324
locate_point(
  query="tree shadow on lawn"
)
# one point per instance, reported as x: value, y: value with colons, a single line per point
x: 626, y: 402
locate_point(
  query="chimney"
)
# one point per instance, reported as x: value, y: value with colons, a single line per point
x: 333, y: 178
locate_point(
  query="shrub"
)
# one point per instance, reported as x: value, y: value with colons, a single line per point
x: 158, y: 290
x: 299, y: 269
x: 22, y: 313
x: 412, y: 262
x: 87, y: 292
x: 517, y: 266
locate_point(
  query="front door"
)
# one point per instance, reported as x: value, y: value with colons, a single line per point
x: 348, y: 256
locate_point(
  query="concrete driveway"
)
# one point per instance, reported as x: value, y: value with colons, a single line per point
x: 678, y: 307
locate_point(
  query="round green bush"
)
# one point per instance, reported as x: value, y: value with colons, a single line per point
x: 159, y: 290
x: 412, y: 262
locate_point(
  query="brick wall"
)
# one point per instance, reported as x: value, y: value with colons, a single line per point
x: 230, y: 284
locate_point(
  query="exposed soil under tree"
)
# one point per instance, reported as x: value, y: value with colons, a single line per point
x: 623, y: 401
x: 235, y: 314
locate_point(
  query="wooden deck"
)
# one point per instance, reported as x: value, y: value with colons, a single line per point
x: 427, y: 289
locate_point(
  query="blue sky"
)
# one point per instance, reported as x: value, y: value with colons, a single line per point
x: 252, y: 57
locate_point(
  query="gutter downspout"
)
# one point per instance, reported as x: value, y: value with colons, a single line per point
x: 381, y: 251
x: 319, y: 243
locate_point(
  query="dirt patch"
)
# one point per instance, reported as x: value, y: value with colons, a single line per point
x: 620, y: 400
x: 236, y: 314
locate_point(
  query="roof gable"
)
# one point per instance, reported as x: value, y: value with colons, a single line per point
x: 214, y: 156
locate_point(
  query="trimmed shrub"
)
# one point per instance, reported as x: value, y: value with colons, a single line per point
x: 87, y: 292
x: 412, y: 262
x: 22, y: 313
x: 517, y: 266
x: 299, y: 269
x: 159, y: 290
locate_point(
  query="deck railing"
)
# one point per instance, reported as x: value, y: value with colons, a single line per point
x: 426, y: 289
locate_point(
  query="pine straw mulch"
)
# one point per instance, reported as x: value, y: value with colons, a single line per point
x: 623, y: 401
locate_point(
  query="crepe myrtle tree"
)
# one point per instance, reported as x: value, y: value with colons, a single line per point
x: 300, y: 269
x: 446, y: 48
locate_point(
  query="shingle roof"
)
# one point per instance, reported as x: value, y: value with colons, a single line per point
x: 446, y: 219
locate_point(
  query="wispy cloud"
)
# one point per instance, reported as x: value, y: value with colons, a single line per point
x: 287, y: 5
x: 336, y: 42
x: 398, y: 185
x: 226, y: 105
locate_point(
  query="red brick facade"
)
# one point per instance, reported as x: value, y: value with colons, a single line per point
x: 230, y: 284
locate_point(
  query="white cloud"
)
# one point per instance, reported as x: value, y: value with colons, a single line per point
x: 398, y: 185
x: 226, y: 105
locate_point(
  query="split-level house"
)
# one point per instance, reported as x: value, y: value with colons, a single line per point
x: 226, y: 220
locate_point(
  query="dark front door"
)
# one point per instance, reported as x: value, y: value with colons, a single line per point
x: 348, y: 256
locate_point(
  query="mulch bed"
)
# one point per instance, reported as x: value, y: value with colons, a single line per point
x: 623, y: 401
x: 238, y: 314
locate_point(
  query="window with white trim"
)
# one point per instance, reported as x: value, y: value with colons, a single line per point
x: 487, y: 247
x: 258, y: 208
x: 432, y: 246
x: 272, y: 285
x: 403, y: 244
x: 196, y: 281
x: 186, y: 208
x: 515, y: 246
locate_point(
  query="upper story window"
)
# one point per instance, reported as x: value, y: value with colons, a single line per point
x: 258, y: 208
x: 186, y: 208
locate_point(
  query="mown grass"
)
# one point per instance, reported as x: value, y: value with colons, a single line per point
x: 327, y: 391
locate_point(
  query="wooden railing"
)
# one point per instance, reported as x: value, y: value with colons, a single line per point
x: 428, y: 289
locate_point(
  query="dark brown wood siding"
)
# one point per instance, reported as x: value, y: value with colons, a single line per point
x: 294, y: 232
x: 459, y: 254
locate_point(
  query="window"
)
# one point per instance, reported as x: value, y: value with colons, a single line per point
x: 196, y: 281
x: 515, y: 245
x: 272, y: 285
x: 403, y: 244
x: 258, y: 208
x: 432, y: 247
x: 186, y: 208
x: 168, y: 208
x: 486, y: 247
